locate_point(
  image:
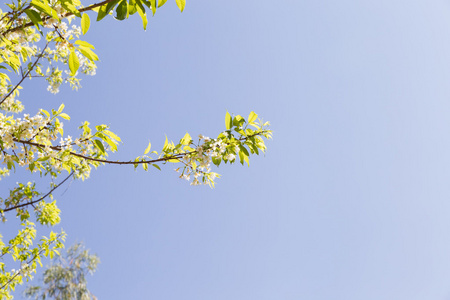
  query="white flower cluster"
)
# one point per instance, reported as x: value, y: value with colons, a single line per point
x: 19, y: 129
x: 10, y: 104
x: 28, y: 140
x: 61, y: 53
x: 198, y: 163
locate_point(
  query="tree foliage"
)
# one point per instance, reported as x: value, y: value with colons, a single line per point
x: 65, y: 278
x: 43, y: 39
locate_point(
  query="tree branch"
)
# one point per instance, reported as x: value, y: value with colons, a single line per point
x: 59, y: 148
x: 40, y: 199
x: 87, y: 8
x: 176, y: 156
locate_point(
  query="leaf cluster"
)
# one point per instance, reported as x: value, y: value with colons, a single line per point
x: 66, y: 278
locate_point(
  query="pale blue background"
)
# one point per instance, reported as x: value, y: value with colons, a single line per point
x: 352, y: 200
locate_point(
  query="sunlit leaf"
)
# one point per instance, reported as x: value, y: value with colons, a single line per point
x: 181, y: 4
x: 85, y: 23
x: 74, y: 64
x: 147, y: 150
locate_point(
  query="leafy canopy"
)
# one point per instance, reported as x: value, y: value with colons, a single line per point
x: 65, y: 278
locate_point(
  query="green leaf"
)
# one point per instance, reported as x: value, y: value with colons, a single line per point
x: 181, y: 4
x: 153, y: 3
x: 252, y: 117
x: 74, y: 64
x: 247, y: 160
x: 105, y: 9
x: 99, y: 145
x: 161, y: 2
x: 45, y: 8
x: 101, y: 12
x: 228, y: 121
x: 186, y: 140
x: 45, y: 112
x: 84, y: 44
x: 148, y: 148
x: 64, y: 116
x: 69, y: 6
x: 43, y: 158
x: 132, y: 7
x: 238, y: 120
x: 147, y: 3
x: 122, y: 10
x: 88, y: 53
x: 60, y: 109
x: 141, y: 11
x: 241, y: 158
x: 166, y: 143
x: 85, y: 23
x: 111, y: 144
x: 216, y: 160
x: 34, y: 16
x: 156, y: 166
x: 253, y: 148
x: 112, y: 135
x: 243, y: 149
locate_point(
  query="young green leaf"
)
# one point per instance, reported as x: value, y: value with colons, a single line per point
x: 161, y: 2
x: 105, y: 9
x: 243, y: 149
x: 186, y: 140
x: 71, y: 7
x: 60, y: 108
x: 122, y: 10
x: 34, y: 16
x: 85, y: 23
x: 45, y: 8
x: 153, y: 2
x: 181, y: 4
x: 132, y: 7
x: 74, y: 64
x: 148, y: 148
x: 88, y: 53
x: 141, y: 11
x: 228, y: 121
x: 99, y: 145
x: 252, y: 117
x: 112, y: 135
x: 166, y: 144
x: 84, y: 44
x: 64, y: 116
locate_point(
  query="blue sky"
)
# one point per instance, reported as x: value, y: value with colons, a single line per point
x: 351, y: 200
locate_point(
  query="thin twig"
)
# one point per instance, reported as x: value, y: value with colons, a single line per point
x: 25, y: 76
x: 40, y: 199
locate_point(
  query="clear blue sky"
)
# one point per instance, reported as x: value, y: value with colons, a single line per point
x: 352, y: 200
